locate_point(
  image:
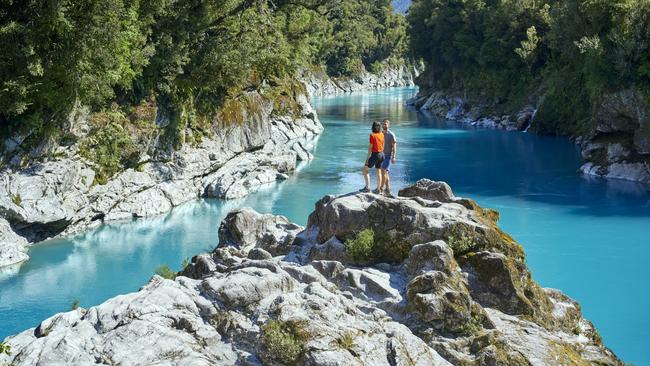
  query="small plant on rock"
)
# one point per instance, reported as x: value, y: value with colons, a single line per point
x: 165, y: 272
x: 284, y: 342
x: 75, y: 304
x: 360, y: 247
x: 17, y: 200
x: 5, y: 348
x: 461, y: 239
x: 368, y: 246
x: 346, y: 341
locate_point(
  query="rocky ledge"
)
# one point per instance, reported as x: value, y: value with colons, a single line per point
x: 57, y: 196
x: 423, y: 279
x: 318, y: 83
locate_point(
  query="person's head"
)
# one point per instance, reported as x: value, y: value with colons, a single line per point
x: 386, y: 124
x: 376, y: 127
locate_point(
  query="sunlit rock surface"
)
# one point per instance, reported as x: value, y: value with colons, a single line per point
x: 461, y: 294
x: 57, y: 197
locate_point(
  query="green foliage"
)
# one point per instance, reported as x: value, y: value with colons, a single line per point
x: 193, y: 61
x: 284, y: 342
x: 74, y: 305
x: 17, y: 200
x: 165, y: 272
x: 461, y: 238
x: 575, y: 50
x: 186, y: 262
x: 5, y: 348
x: 368, y: 246
x: 110, y: 144
x: 346, y: 341
x: 360, y: 247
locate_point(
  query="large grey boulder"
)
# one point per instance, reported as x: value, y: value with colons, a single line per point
x: 246, y: 229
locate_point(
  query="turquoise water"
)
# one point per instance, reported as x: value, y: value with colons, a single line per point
x: 588, y: 238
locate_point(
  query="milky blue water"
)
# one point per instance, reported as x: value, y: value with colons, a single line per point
x: 587, y: 238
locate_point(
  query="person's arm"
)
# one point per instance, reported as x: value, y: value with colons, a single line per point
x: 394, y: 157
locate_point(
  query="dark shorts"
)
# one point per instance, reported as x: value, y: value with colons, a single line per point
x: 386, y: 163
x: 375, y: 160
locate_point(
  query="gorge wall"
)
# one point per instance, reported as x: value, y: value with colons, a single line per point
x: 59, y: 195
x: 318, y: 83
x: 616, y: 143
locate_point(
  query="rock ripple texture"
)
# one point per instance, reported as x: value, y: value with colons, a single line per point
x: 57, y: 197
x: 450, y: 301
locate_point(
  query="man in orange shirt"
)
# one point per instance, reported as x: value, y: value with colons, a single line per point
x: 375, y: 157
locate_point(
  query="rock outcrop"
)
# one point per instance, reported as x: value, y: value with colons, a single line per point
x: 275, y: 293
x: 57, y: 196
x: 318, y: 83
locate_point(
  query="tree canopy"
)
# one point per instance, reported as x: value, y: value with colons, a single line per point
x: 571, y: 50
x: 188, y: 56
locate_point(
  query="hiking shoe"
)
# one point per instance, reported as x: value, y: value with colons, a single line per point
x: 376, y: 191
x: 364, y: 190
x: 388, y: 194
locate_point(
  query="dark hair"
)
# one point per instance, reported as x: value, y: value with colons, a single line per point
x: 376, y: 127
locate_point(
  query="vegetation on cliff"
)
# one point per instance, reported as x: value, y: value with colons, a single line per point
x: 562, y: 54
x: 186, y: 58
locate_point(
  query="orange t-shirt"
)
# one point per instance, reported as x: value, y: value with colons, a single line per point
x: 377, y: 142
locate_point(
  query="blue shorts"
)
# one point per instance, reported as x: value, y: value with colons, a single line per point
x: 375, y: 160
x: 386, y: 163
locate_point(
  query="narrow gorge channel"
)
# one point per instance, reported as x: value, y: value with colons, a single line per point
x: 585, y: 237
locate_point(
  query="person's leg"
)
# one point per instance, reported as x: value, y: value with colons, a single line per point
x: 379, y: 179
x: 387, y: 182
x: 366, y: 176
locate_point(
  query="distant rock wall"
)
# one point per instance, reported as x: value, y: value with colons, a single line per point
x: 57, y: 196
x: 318, y: 83
x: 275, y: 293
x: 617, y: 145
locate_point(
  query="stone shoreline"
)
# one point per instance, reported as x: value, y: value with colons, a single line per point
x: 450, y: 288
x: 56, y: 197
x: 612, y: 150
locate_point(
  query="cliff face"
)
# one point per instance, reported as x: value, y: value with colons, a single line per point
x: 615, y: 142
x: 318, y: 83
x: 57, y: 196
x: 436, y: 283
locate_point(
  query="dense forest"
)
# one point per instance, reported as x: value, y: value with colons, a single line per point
x: 125, y: 59
x: 564, y: 54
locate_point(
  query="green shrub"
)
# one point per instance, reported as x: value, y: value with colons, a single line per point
x: 361, y: 246
x: 5, y: 348
x: 165, y: 272
x: 346, y: 341
x: 284, y: 342
x: 75, y: 304
x: 461, y: 239
x: 368, y: 246
x: 17, y: 200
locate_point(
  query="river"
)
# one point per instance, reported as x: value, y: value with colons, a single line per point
x: 588, y: 238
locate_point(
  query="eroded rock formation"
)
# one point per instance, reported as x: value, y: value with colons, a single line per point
x: 275, y: 293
